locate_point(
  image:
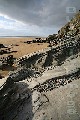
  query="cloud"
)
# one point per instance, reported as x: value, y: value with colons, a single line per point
x: 38, y: 12
x: 12, y: 27
x: 45, y: 14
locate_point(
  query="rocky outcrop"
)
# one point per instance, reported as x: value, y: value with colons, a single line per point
x: 6, y: 61
x: 37, y: 40
x: 2, y: 46
x: 30, y: 92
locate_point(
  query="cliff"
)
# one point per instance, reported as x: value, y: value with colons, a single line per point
x: 47, y: 81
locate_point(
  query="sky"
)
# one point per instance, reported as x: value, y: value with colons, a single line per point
x: 35, y: 17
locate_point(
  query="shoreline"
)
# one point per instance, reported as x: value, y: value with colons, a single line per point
x: 22, y: 36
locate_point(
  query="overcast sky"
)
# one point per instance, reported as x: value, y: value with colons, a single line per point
x: 35, y: 17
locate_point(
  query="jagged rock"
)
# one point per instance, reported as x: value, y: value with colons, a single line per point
x: 6, y: 61
x: 1, y: 77
x: 2, y: 46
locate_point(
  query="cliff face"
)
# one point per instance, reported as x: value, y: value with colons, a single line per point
x: 72, y: 27
x: 30, y: 92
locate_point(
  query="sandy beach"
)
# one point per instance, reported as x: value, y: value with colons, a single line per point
x: 22, y: 48
x: 17, y: 44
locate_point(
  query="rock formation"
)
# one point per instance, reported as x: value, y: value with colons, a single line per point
x: 35, y: 90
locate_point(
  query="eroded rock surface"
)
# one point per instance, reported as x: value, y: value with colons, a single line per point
x: 46, y: 84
